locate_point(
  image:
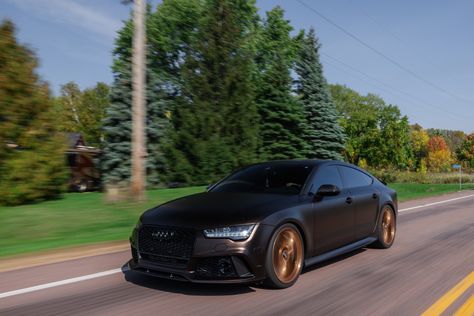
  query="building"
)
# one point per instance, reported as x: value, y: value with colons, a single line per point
x: 83, y: 162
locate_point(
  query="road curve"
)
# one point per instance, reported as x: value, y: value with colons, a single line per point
x: 433, y: 252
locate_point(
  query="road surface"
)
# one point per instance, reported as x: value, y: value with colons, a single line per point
x: 429, y: 268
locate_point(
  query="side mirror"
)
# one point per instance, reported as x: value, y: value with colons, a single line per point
x: 328, y: 190
x: 209, y: 186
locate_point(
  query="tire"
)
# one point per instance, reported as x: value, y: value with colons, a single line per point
x: 285, y: 257
x: 386, y: 228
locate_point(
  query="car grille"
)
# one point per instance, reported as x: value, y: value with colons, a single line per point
x: 166, y: 245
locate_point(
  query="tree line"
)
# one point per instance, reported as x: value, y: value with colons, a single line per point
x: 225, y: 88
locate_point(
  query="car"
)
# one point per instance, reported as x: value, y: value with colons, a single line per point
x: 264, y: 223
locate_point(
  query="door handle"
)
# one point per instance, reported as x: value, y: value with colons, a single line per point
x: 349, y: 200
x: 374, y: 196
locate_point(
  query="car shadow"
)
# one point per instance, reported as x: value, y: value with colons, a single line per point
x: 333, y: 260
x: 181, y: 287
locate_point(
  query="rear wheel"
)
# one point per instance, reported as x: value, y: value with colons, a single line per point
x: 386, y: 228
x: 285, y: 255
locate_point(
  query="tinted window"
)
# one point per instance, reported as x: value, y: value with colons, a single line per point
x: 354, y: 178
x: 274, y: 178
x: 326, y: 175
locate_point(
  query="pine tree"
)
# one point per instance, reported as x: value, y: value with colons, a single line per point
x: 116, y: 162
x: 215, y: 127
x: 281, y: 116
x: 323, y: 132
x: 32, y: 164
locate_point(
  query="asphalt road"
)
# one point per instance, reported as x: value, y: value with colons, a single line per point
x: 433, y: 252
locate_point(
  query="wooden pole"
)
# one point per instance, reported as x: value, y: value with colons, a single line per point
x: 138, y: 178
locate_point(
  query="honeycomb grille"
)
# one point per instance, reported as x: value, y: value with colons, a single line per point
x: 166, y: 242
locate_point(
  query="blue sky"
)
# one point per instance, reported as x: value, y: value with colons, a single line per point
x: 431, y: 38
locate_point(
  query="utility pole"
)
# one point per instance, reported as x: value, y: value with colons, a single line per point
x: 138, y: 178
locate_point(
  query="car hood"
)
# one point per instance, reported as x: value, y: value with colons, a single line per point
x: 214, y: 209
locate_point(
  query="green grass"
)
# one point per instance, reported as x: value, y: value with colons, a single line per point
x: 82, y: 218
x: 76, y: 219
x: 409, y: 191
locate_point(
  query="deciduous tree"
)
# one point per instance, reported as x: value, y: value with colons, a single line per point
x: 83, y: 111
x: 466, y: 151
x: 32, y: 163
x: 439, y: 155
x: 375, y: 131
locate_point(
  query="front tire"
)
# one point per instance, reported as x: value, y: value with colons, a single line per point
x: 285, y: 256
x: 386, y: 228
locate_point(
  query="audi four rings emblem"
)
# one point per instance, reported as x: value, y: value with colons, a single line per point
x: 162, y: 235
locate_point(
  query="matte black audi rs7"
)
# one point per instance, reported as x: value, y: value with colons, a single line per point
x: 265, y: 223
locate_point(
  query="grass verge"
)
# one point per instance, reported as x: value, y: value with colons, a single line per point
x: 83, y: 218
x: 76, y: 219
x: 410, y: 191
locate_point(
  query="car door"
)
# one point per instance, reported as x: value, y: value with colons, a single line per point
x: 333, y: 215
x: 365, y: 199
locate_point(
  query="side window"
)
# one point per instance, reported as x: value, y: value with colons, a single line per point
x: 354, y: 178
x: 326, y: 175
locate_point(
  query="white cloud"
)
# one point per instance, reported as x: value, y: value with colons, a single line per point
x: 71, y: 13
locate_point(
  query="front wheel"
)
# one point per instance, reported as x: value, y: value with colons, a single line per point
x: 285, y: 256
x: 386, y: 228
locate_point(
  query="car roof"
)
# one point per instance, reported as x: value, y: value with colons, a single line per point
x: 303, y: 162
x: 306, y: 162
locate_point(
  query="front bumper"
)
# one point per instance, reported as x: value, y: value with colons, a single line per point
x: 212, y: 260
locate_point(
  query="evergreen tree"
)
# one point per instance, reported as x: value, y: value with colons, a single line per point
x: 281, y: 116
x: 116, y: 162
x: 32, y: 164
x: 323, y: 132
x: 215, y: 127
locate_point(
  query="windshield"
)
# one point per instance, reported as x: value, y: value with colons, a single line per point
x: 275, y: 178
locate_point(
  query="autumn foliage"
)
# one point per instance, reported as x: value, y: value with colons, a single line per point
x: 439, y: 157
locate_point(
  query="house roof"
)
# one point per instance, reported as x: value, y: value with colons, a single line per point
x: 75, y: 139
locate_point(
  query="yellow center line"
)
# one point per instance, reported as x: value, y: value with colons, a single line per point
x: 447, y: 299
x: 467, y: 309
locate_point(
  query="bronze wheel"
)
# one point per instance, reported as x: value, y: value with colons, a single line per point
x: 388, y: 226
x: 287, y: 254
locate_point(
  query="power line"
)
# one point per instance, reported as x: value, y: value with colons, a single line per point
x: 376, y: 51
x: 395, y: 36
x: 402, y: 92
x: 388, y: 88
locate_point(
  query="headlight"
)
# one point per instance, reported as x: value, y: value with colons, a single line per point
x: 240, y: 232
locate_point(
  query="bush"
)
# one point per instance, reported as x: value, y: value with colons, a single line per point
x: 393, y: 176
x: 387, y: 176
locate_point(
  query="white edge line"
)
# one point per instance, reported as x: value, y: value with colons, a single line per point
x: 62, y: 282
x: 435, y: 203
x: 114, y: 271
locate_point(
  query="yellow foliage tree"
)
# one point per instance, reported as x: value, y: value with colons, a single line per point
x: 439, y: 157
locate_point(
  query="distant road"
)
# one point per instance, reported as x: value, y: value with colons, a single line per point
x: 429, y: 266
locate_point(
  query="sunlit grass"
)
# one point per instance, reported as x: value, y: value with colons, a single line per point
x: 408, y: 191
x: 77, y: 218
